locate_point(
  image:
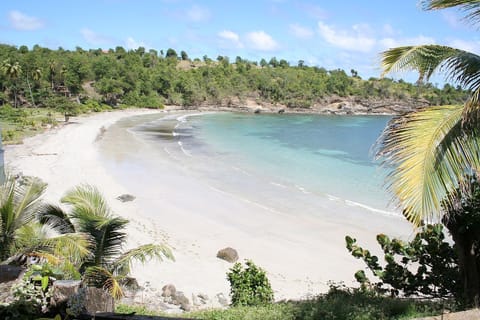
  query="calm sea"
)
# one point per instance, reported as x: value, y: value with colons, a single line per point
x: 285, y: 162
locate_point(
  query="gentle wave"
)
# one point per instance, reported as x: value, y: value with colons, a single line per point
x: 302, y: 189
x: 183, y: 149
x: 364, y: 206
x: 242, y: 171
x: 247, y: 201
x: 276, y: 184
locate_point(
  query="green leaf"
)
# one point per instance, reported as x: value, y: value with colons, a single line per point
x: 45, y: 281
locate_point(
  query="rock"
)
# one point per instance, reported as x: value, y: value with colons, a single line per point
x: 182, y: 300
x: 126, y: 197
x: 221, y: 299
x: 257, y: 111
x: 64, y: 289
x: 281, y: 111
x: 9, y: 273
x: 98, y: 300
x: 168, y: 290
x: 228, y: 254
x: 203, y: 296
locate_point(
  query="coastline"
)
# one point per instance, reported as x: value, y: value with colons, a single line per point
x: 300, y: 254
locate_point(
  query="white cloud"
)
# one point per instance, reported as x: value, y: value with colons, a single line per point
x: 229, y: 38
x: 470, y: 46
x: 386, y: 43
x: 260, y: 40
x: 133, y: 44
x: 93, y: 38
x: 300, y: 31
x: 198, y: 14
x: 21, y: 21
x: 357, y: 39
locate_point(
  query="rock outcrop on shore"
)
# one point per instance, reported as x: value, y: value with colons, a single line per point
x: 329, y: 105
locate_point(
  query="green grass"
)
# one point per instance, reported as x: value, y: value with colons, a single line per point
x: 340, y: 303
x: 19, y: 123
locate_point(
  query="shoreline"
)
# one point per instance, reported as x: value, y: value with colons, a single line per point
x: 300, y: 254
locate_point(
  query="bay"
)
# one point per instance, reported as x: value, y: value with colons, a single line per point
x: 288, y: 163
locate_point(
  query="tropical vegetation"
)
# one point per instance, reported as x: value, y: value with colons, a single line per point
x: 339, y: 303
x: 249, y: 286
x: 108, y: 265
x: 22, y: 236
x: 85, y: 243
x: 37, y: 77
x: 434, y: 153
x: 426, y: 266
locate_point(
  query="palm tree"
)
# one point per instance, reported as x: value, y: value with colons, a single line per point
x: 431, y: 151
x: 108, y: 266
x: 18, y: 206
x: 12, y: 71
x: 36, y: 75
x: 21, y: 236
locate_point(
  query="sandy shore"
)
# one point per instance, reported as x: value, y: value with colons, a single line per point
x: 300, y: 253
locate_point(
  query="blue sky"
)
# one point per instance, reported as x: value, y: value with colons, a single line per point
x: 332, y: 34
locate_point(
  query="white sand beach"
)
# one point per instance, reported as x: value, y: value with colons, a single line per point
x: 300, y: 253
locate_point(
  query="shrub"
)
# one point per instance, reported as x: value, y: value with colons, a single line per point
x: 249, y: 286
x: 36, y: 286
x: 426, y: 266
x: 342, y: 303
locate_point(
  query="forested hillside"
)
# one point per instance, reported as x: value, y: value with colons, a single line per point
x: 41, y: 77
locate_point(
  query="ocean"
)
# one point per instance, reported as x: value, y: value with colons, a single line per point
x: 284, y: 162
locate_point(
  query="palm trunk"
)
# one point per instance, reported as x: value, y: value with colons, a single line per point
x: 30, y: 89
x: 466, y: 245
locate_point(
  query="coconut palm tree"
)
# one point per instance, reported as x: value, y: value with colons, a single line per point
x: 21, y: 236
x: 12, y: 71
x: 109, y: 265
x: 431, y: 151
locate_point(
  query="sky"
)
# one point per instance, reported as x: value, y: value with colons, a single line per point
x: 345, y: 34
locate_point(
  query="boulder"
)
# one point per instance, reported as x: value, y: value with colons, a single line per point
x: 221, y: 299
x: 228, y: 254
x: 64, y: 289
x: 126, y: 197
x: 168, y: 290
x: 9, y: 273
x: 98, y: 300
x: 182, y: 300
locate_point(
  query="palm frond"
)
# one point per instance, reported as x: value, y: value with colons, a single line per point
x: 426, y: 152
x: 19, y: 202
x: 102, y: 278
x: 28, y: 197
x: 73, y: 246
x: 87, y: 198
x: 471, y: 8
x: 109, y: 239
x: 142, y: 254
x: 35, y: 237
x: 55, y: 218
x: 458, y: 65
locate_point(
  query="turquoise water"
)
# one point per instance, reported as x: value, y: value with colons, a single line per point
x: 280, y: 160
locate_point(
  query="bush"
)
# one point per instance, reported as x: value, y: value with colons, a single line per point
x: 342, y: 303
x: 426, y: 266
x: 249, y: 286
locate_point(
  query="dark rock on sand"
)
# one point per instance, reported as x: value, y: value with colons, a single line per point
x: 228, y: 254
x: 126, y: 197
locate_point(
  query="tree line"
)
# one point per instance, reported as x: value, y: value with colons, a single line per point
x: 42, y: 77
